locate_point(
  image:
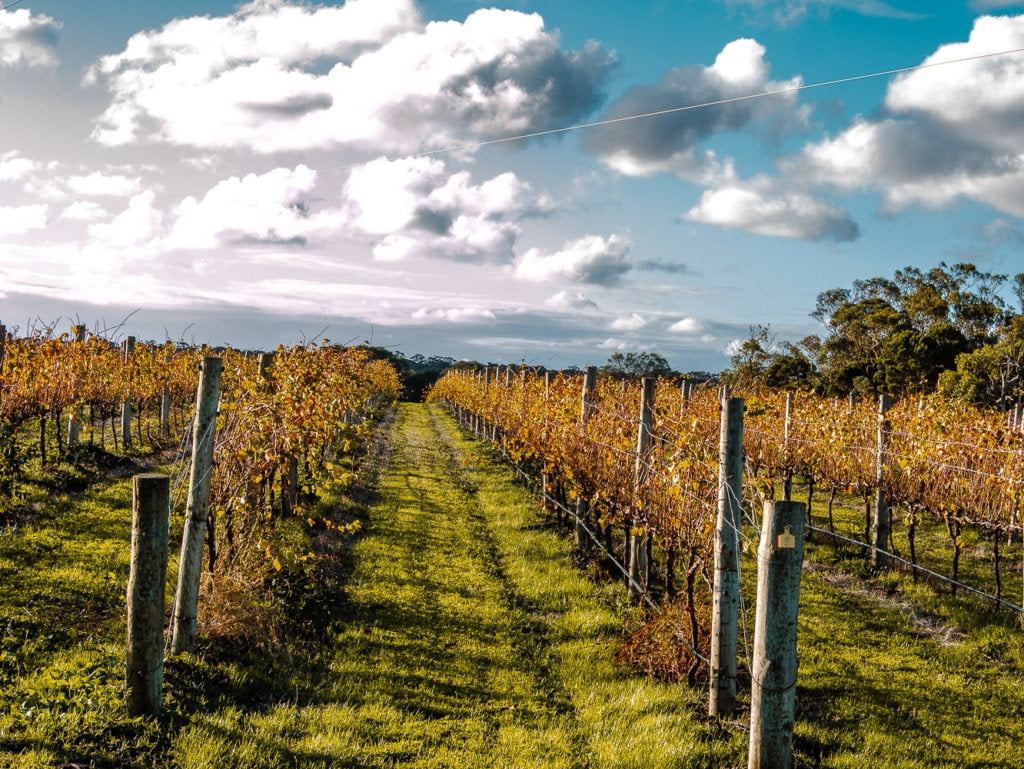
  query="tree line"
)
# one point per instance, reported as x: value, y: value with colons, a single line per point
x: 948, y: 329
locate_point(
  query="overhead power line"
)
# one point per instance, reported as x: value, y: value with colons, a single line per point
x: 686, y: 108
x: 11, y: 4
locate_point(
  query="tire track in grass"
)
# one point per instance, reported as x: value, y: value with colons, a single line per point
x: 431, y: 668
x: 534, y: 634
x: 471, y: 641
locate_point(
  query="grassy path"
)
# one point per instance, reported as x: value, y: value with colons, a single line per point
x: 471, y: 641
x: 467, y: 638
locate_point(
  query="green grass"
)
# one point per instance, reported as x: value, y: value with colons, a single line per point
x: 64, y: 577
x: 932, y: 544
x: 885, y: 683
x: 471, y: 640
x: 456, y: 631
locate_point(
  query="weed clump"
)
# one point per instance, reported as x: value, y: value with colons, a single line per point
x: 663, y: 645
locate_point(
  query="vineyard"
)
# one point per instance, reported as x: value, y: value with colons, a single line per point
x: 283, y: 431
x: 263, y: 455
x: 951, y: 474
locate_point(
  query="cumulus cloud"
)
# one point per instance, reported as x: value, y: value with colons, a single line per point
x: 670, y: 143
x: 687, y: 326
x: 763, y: 207
x: 454, y: 315
x: 278, y: 76
x: 268, y: 208
x: 950, y: 132
x: 138, y: 224
x: 14, y: 167
x: 590, y: 259
x: 632, y: 322
x: 621, y: 345
x: 570, y: 300
x: 415, y: 207
x: 101, y: 184
x: 84, y: 211
x: 17, y: 220
x: 27, y: 40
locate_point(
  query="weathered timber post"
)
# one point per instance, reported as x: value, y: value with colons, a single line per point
x: 639, y: 566
x: 78, y: 411
x: 266, y: 362
x: 882, y: 524
x: 290, y: 495
x: 484, y: 422
x: 146, y: 584
x: 545, y: 479
x: 186, y: 602
x: 726, y: 599
x: 586, y: 412
x: 773, y: 674
x: 787, y: 473
x: 127, y: 350
x: 165, y: 413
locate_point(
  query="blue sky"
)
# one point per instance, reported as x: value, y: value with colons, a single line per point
x: 275, y: 172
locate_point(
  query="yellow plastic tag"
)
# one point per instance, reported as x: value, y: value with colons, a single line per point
x: 786, y: 540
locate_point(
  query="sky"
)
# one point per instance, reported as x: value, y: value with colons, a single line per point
x: 396, y: 171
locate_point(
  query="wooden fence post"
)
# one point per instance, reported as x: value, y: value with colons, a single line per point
x: 586, y: 412
x: 186, y: 602
x: 3, y: 345
x: 165, y: 414
x: 639, y: 565
x: 726, y: 598
x: 545, y: 479
x: 773, y: 673
x: 882, y: 523
x: 78, y: 411
x: 146, y: 584
x: 787, y: 472
x: 127, y: 349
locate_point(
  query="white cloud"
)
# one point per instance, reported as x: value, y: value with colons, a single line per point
x: 276, y: 76
x: 590, y: 259
x: 84, y: 211
x: 952, y: 132
x: 100, y: 184
x: 570, y: 300
x: 27, y: 40
x: 14, y: 167
x: 268, y: 208
x: 17, y: 220
x: 763, y: 207
x: 633, y: 322
x: 138, y: 224
x: 620, y: 345
x: 687, y: 326
x: 669, y: 143
x: 414, y: 207
x: 454, y: 315
x: 981, y: 100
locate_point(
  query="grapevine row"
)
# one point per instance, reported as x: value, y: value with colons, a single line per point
x: 944, y: 462
x: 286, y: 427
